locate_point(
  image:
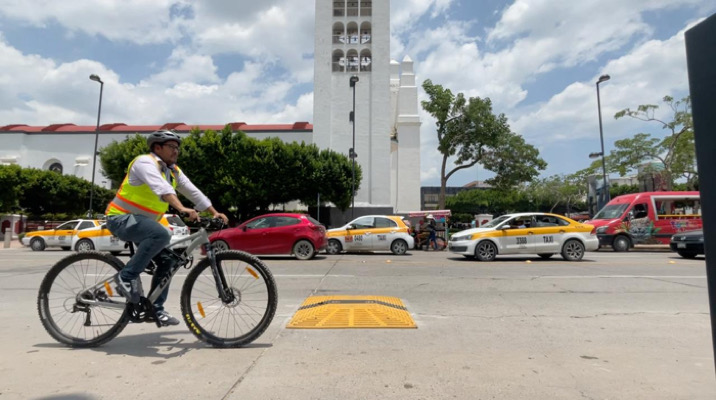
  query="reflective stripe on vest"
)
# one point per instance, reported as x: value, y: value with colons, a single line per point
x: 140, y: 199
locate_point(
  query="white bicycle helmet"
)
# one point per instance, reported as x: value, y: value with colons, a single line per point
x: 162, y: 137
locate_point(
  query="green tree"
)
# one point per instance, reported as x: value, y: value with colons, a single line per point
x: 10, y: 181
x: 244, y: 176
x: 675, y: 151
x: 115, y: 158
x: 468, y: 130
x: 490, y: 201
x: 44, y: 193
x: 556, y: 190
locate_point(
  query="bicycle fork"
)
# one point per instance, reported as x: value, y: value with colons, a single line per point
x: 222, y: 287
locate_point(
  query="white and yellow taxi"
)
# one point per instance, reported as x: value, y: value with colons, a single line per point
x: 101, y: 239
x: 526, y: 233
x: 59, y: 237
x: 371, y: 233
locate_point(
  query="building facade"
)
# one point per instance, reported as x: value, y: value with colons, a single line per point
x: 353, y: 71
x: 67, y: 148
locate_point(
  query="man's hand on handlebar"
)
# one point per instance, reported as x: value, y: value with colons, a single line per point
x: 190, y: 214
x: 223, y: 217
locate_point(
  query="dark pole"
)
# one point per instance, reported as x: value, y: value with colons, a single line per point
x: 603, y: 78
x: 95, y: 78
x: 700, y: 58
x: 352, y: 153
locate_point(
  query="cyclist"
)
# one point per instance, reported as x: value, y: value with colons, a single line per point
x: 147, y: 191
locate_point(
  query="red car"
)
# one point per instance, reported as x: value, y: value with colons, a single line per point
x: 273, y: 234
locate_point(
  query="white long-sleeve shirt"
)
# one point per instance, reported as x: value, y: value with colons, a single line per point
x: 144, y: 170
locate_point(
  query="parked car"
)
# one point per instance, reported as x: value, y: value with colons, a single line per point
x: 274, y: 234
x: 688, y: 244
x: 100, y: 238
x: 61, y: 236
x: 526, y: 233
x: 371, y: 233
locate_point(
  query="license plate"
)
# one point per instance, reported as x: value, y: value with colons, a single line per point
x: 113, y: 239
x: 681, y: 245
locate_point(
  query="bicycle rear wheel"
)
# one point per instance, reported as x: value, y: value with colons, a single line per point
x: 240, y: 321
x: 75, y: 323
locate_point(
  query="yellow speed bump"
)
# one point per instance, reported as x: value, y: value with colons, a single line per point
x: 341, y: 312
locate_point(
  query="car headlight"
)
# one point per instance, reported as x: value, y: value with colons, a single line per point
x: 602, y: 229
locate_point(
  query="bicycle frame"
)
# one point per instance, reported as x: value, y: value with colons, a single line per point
x: 194, y: 241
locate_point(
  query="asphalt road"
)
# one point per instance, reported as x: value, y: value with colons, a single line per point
x: 614, y: 326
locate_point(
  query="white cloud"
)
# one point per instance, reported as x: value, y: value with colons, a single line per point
x: 404, y: 13
x: 643, y: 76
x: 136, y: 21
x: 281, y: 33
x: 184, y: 66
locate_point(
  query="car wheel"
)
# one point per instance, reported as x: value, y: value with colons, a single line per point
x: 84, y: 245
x: 220, y: 245
x: 546, y: 256
x: 485, y: 251
x: 37, y: 244
x: 334, y: 247
x: 687, y: 254
x: 573, y: 250
x: 399, y: 247
x: 621, y: 243
x: 303, y: 250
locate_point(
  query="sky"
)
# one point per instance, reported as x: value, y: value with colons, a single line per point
x: 220, y: 61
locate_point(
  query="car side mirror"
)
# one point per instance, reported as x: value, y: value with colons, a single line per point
x: 350, y: 226
x: 243, y: 228
x: 503, y: 227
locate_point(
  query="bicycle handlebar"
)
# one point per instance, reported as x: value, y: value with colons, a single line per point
x: 211, y: 224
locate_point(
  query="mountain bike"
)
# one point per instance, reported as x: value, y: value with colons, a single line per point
x: 228, y: 299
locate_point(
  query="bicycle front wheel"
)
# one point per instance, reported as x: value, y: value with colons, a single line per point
x: 246, y: 316
x: 86, y: 322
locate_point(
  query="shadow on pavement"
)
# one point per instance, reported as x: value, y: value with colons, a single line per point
x: 161, y: 345
x: 70, y: 396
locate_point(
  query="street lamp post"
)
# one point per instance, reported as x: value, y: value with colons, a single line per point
x: 352, y: 152
x: 95, y: 78
x: 601, y: 79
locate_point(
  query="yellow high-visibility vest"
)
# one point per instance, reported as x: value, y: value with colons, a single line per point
x: 140, y: 199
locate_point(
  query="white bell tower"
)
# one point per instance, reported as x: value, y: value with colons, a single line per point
x: 352, y: 40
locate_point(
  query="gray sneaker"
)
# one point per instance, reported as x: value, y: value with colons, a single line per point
x: 131, y: 290
x: 166, y: 319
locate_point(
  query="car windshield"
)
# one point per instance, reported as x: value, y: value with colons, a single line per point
x: 175, y: 220
x: 611, y: 211
x: 496, y: 221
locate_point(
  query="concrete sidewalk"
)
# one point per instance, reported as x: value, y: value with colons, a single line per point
x: 14, y: 244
